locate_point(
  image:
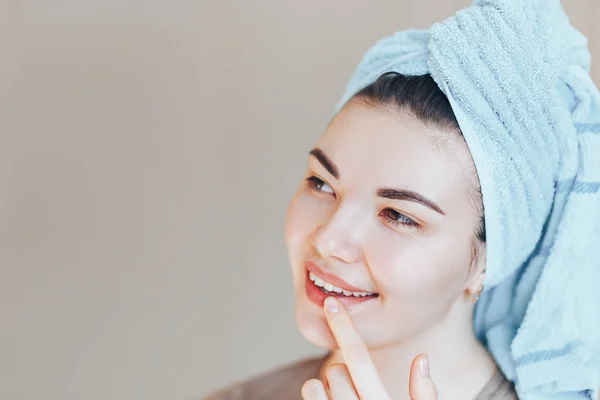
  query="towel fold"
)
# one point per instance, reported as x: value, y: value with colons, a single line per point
x: 516, y: 74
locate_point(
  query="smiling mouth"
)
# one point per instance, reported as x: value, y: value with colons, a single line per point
x: 333, y: 290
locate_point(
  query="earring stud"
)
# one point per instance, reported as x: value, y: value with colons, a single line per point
x: 476, y: 296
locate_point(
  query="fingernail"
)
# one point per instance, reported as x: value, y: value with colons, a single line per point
x: 311, y: 388
x: 331, y: 305
x: 424, y: 364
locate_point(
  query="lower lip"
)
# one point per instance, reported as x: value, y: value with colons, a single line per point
x: 317, y: 296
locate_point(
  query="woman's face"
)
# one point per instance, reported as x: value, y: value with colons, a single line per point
x: 384, y: 209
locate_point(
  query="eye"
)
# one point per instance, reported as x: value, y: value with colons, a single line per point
x: 395, y: 217
x: 319, y: 185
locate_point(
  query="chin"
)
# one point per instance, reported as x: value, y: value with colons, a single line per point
x: 315, y: 329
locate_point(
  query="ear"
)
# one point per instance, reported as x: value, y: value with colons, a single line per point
x: 477, y: 273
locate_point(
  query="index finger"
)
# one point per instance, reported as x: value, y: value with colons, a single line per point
x: 358, y: 360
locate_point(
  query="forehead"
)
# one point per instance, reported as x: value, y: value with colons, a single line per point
x: 375, y: 147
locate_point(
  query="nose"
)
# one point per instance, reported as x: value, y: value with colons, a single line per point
x: 339, y: 236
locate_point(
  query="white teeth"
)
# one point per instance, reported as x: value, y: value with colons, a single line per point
x: 332, y: 288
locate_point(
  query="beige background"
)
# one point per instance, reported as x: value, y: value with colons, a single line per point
x: 147, y: 153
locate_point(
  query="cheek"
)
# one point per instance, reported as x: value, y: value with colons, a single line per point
x: 418, y: 280
x: 304, y: 215
x: 410, y: 265
x: 297, y: 229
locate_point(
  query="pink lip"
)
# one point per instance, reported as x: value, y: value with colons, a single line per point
x: 334, y: 280
x: 317, y: 296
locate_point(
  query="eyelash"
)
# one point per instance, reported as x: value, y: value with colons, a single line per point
x: 390, y: 215
x: 400, y: 218
x: 316, y: 184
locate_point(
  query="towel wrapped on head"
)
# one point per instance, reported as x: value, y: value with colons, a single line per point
x: 516, y: 74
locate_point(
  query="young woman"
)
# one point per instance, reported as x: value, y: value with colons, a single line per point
x: 460, y: 155
x: 389, y: 221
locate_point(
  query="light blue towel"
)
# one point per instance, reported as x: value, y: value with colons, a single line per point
x: 516, y: 74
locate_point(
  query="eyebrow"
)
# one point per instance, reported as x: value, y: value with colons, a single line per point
x: 325, y: 162
x: 401, y: 194
x: 388, y: 193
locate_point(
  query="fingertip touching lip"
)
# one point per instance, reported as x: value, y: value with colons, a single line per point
x: 334, y: 280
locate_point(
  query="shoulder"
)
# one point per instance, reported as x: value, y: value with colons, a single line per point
x: 283, y: 382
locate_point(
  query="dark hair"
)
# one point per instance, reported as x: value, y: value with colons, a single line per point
x: 421, y: 97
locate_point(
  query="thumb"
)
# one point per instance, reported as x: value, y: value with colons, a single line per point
x: 420, y: 385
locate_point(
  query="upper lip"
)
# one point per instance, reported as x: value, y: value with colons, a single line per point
x: 334, y: 280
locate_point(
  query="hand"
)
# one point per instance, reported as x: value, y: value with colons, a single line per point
x: 358, y: 378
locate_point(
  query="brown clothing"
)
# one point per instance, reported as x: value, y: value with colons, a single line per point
x: 286, y: 383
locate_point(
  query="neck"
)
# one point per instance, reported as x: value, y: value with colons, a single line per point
x: 460, y: 364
